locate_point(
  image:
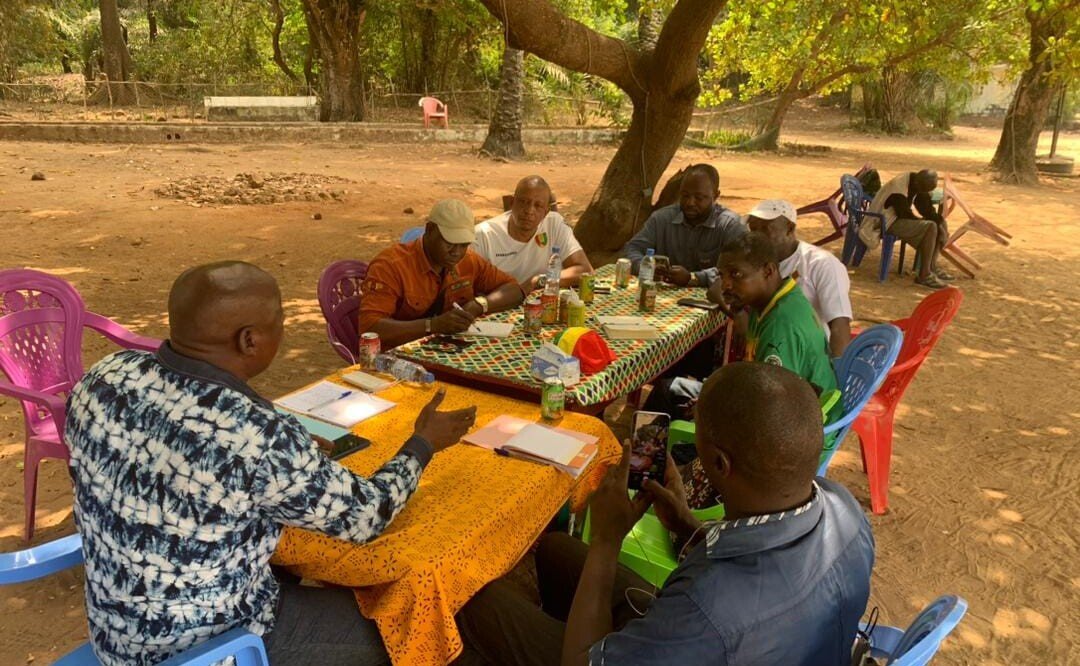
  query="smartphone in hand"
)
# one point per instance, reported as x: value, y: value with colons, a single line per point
x: 648, y: 448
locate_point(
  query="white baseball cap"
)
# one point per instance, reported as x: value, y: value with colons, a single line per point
x: 770, y: 209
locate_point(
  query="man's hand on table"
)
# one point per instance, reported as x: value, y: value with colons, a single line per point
x: 614, y: 512
x: 669, y: 503
x: 452, y: 321
x: 443, y: 429
x: 678, y: 276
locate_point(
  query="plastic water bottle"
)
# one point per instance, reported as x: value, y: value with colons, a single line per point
x: 554, y: 271
x: 403, y: 370
x: 647, y: 270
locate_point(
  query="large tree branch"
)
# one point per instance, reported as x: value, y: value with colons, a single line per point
x: 540, y: 28
x: 685, y: 30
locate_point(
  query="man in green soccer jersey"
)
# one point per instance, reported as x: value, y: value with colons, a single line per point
x: 783, y: 329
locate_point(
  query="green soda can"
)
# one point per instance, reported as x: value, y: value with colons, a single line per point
x: 587, y: 288
x: 553, y: 399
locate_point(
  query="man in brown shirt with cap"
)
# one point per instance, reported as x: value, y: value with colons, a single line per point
x: 435, y: 284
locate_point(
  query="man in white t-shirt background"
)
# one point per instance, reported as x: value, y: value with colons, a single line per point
x: 821, y: 276
x: 521, y: 240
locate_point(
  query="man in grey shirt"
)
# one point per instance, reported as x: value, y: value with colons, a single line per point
x: 690, y: 233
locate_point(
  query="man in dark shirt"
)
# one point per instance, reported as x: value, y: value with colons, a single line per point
x: 184, y: 476
x: 691, y: 233
x: 928, y: 233
x: 783, y: 579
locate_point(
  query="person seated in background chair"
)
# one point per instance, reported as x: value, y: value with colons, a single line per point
x: 691, y: 233
x: 927, y: 234
x: 822, y: 277
x: 521, y: 240
x: 435, y: 284
x: 184, y: 477
x: 783, y: 579
x: 782, y: 328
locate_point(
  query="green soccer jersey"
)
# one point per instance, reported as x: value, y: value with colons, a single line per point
x: 787, y: 333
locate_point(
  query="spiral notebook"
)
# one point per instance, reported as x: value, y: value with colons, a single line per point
x: 334, y: 403
x: 564, y: 449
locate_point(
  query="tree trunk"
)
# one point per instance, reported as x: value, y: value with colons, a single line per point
x: 620, y: 205
x: 1014, y: 159
x: 650, y: 21
x: 275, y: 39
x: 118, y: 66
x: 768, y: 135
x: 504, y: 132
x: 335, y: 30
x: 662, y: 84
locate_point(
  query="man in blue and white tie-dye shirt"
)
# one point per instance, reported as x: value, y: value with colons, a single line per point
x: 184, y: 477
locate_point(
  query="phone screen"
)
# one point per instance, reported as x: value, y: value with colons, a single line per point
x: 346, y: 445
x: 648, y: 448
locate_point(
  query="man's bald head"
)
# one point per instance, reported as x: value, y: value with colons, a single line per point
x: 531, y: 184
x: 210, y: 305
x: 767, y: 421
x: 532, y: 201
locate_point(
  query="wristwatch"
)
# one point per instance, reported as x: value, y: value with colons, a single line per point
x: 483, y: 303
x: 427, y: 326
x: 541, y: 281
x: 693, y: 280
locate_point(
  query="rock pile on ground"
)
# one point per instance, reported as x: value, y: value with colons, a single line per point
x: 250, y: 189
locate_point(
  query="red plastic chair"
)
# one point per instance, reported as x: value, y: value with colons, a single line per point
x: 41, y: 323
x: 434, y: 109
x: 922, y: 330
x: 833, y: 208
x: 339, y: 299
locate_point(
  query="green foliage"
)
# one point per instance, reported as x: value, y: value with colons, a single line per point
x: 728, y: 138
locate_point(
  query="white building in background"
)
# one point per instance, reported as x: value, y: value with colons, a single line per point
x: 995, y: 95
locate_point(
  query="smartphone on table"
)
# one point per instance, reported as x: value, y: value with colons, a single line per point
x: 648, y: 448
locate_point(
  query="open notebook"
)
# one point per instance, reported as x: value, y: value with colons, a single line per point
x: 334, y: 403
x: 568, y: 450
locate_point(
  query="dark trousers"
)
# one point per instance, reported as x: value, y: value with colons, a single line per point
x: 501, y: 625
x: 322, y: 626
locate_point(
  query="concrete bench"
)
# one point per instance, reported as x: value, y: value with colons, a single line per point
x: 262, y: 109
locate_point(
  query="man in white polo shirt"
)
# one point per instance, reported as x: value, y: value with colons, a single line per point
x: 821, y: 276
x: 521, y: 240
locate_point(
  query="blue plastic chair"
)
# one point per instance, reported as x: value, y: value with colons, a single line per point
x: 917, y: 645
x: 409, y: 235
x: 856, y: 201
x: 48, y: 558
x: 860, y: 371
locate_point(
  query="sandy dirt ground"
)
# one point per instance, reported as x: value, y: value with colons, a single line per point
x: 985, y: 494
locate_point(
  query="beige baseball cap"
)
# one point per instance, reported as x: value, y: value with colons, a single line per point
x: 770, y: 209
x: 455, y: 220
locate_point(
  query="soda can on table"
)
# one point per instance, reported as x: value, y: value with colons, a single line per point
x: 550, y: 303
x: 370, y: 347
x: 622, y: 273
x: 534, y: 316
x: 564, y: 305
x: 553, y: 399
x: 576, y: 312
x: 647, y: 296
x: 587, y: 288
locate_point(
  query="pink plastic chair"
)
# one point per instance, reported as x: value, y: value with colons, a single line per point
x: 433, y: 108
x: 922, y: 330
x: 339, y: 299
x: 833, y: 208
x: 951, y: 199
x: 41, y: 323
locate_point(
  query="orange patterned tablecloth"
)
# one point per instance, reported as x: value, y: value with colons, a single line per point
x: 473, y: 517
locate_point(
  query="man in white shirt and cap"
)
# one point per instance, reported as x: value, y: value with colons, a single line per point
x: 521, y: 240
x: 821, y: 276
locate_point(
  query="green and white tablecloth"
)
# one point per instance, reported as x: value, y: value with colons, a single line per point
x: 506, y: 361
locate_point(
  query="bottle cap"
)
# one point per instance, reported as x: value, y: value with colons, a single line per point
x: 555, y: 249
x: 429, y: 378
x: 650, y: 252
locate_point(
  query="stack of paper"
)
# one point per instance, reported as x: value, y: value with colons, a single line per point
x: 334, y: 403
x: 627, y: 328
x: 490, y: 329
x: 568, y: 450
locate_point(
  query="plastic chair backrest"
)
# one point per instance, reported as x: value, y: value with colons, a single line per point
x: 411, y: 234
x: 922, y: 639
x: 244, y: 647
x: 432, y: 106
x: 41, y: 322
x: 854, y: 198
x: 859, y: 372
x: 922, y: 331
x: 339, y: 299
x: 40, y: 561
